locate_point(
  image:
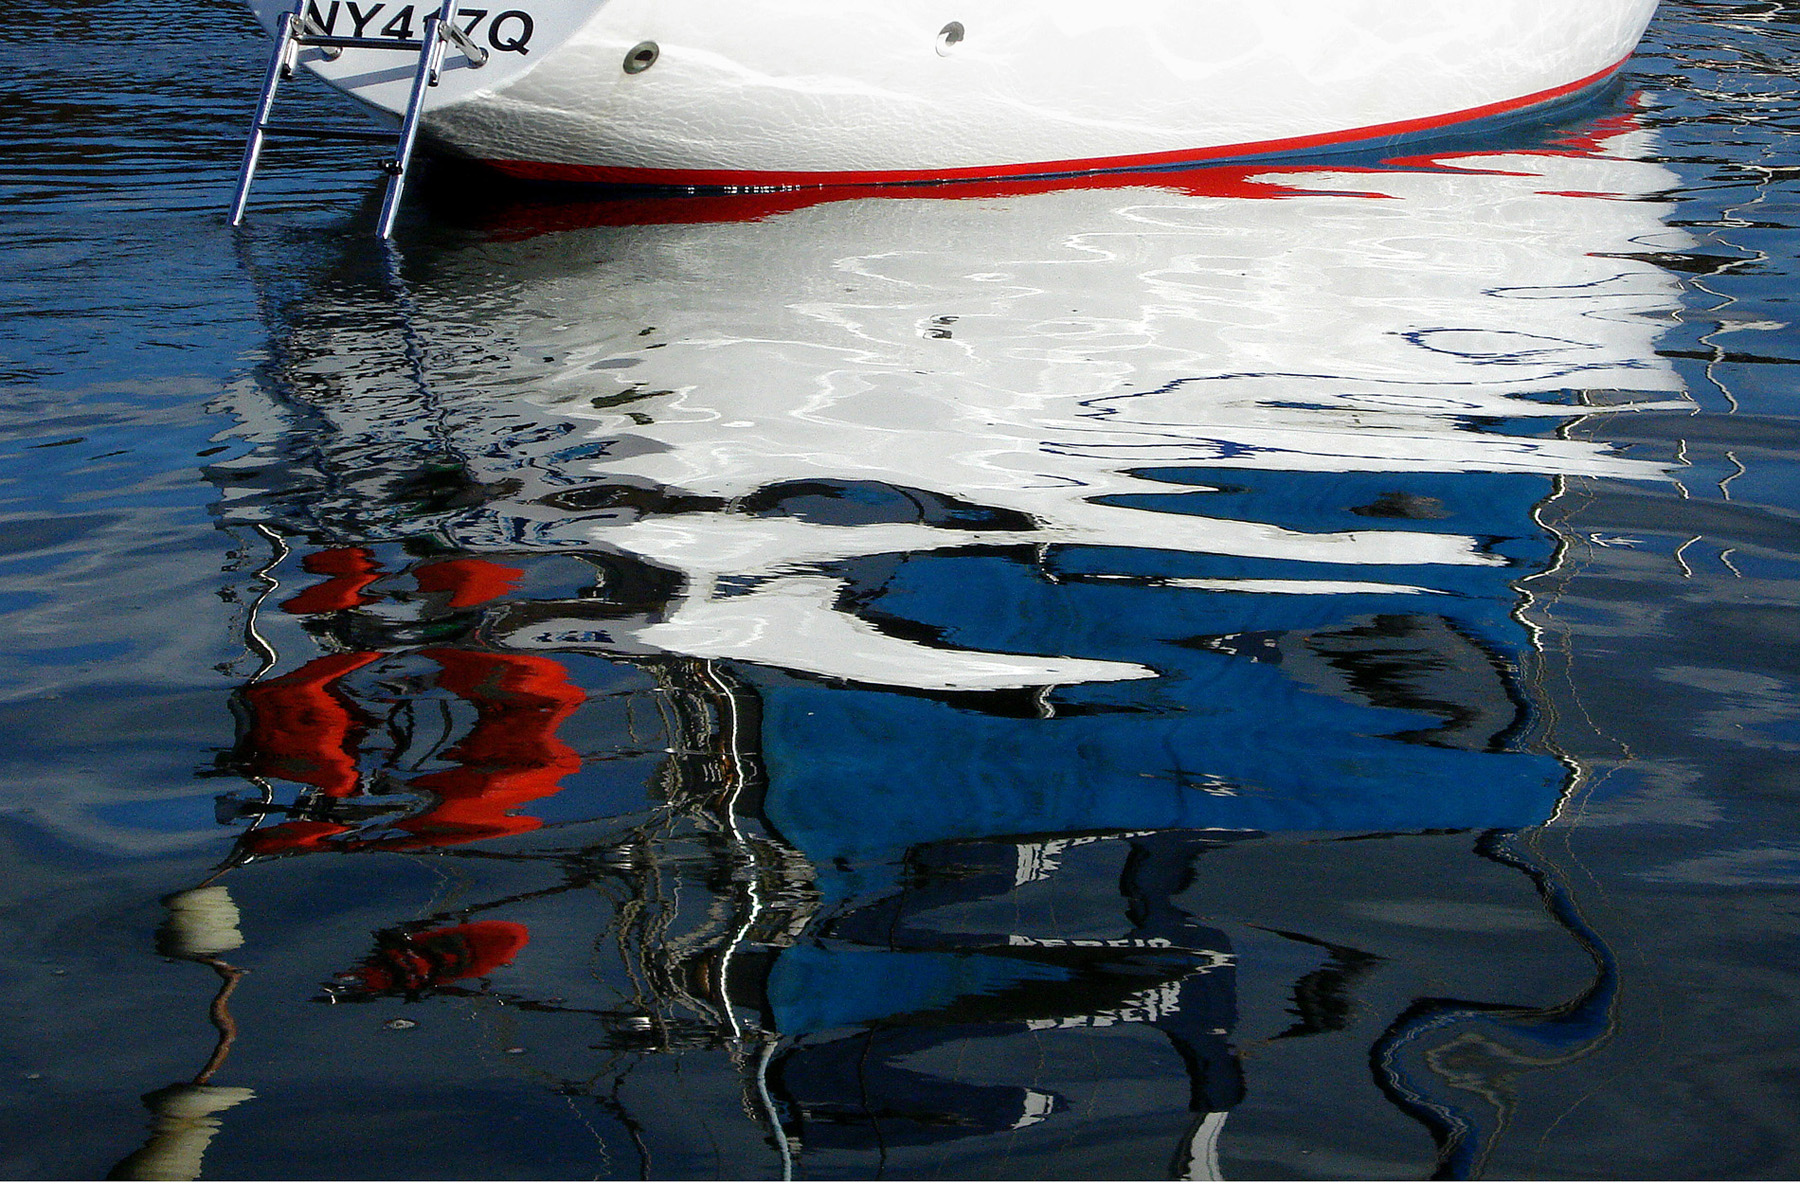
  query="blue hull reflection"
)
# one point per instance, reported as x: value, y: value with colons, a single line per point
x: 851, y: 718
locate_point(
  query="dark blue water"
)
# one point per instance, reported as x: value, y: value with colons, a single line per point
x: 1279, y: 674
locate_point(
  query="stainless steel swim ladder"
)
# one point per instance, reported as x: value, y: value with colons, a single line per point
x: 297, y: 31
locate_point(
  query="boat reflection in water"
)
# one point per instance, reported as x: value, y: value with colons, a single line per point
x: 963, y: 685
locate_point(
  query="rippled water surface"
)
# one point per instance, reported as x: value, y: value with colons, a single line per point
x: 1280, y: 673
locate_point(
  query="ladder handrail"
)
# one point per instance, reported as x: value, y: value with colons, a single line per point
x: 280, y: 66
x: 295, y: 31
x: 429, y: 63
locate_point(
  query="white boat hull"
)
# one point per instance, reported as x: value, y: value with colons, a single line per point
x: 795, y: 93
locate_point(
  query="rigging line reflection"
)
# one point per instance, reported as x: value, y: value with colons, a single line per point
x: 1476, y: 1048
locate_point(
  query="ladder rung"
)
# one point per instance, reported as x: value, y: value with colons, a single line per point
x: 359, y: 43
x: 329, y: 133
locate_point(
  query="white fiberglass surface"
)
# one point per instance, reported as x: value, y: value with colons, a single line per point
x: 790, y: 86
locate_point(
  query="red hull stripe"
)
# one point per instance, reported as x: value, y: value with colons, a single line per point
x: 653, y: 177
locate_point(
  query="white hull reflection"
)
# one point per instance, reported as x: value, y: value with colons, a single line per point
x: 1068, y: 360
